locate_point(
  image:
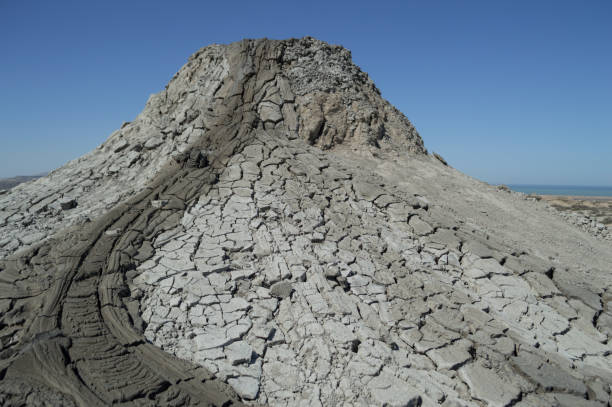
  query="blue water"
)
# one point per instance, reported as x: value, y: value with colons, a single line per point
x: 562, y: 190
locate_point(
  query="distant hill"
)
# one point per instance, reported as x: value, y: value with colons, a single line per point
x: 8, y: 183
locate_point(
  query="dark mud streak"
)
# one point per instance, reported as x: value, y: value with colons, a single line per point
x: 82, y: 341
x: 76, y: 338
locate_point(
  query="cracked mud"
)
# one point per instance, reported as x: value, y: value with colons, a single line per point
x: 271, y: 231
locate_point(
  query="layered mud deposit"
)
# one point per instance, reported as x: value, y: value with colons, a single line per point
x: 273, y: 232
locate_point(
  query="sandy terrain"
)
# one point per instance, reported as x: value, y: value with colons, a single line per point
x: 596, y: 207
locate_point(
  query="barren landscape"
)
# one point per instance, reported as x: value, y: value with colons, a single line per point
x: 271, y: 231
x: 597, y: 207
x: 8, y: 183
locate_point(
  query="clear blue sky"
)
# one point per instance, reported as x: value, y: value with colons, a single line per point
x: 506, y: 91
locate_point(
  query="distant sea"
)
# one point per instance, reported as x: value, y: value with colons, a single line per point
x: 562, y: 190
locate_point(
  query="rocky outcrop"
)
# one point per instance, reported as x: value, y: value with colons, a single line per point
x: 293, y: 246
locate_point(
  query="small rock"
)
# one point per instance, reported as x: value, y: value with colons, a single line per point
x: 282, y: 289
x: 389, y: 391
x: 339, y: 332
x: 122, y: 144
x: 420, y: 227
x: 450, y: 357
x: 153, y: 142
x: 68, y: 203
x: 197, y: 159
x: 238, y: 352
x: 246, y: 387
x: 213, y: 339
x: 484, y: 268
x: 439, y: 158
x: 132, y: 157
x: 270, y: 112
x: 159, y: 203
x: 487, y: 386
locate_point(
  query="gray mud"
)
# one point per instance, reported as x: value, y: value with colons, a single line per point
x: 301, y: 249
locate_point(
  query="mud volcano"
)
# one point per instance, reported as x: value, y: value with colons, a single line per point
x: 271, y: 231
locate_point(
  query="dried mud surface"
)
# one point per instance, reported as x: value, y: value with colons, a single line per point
x: 300, y: 249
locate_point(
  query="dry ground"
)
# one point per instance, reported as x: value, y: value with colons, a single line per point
x: 598, y: 207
